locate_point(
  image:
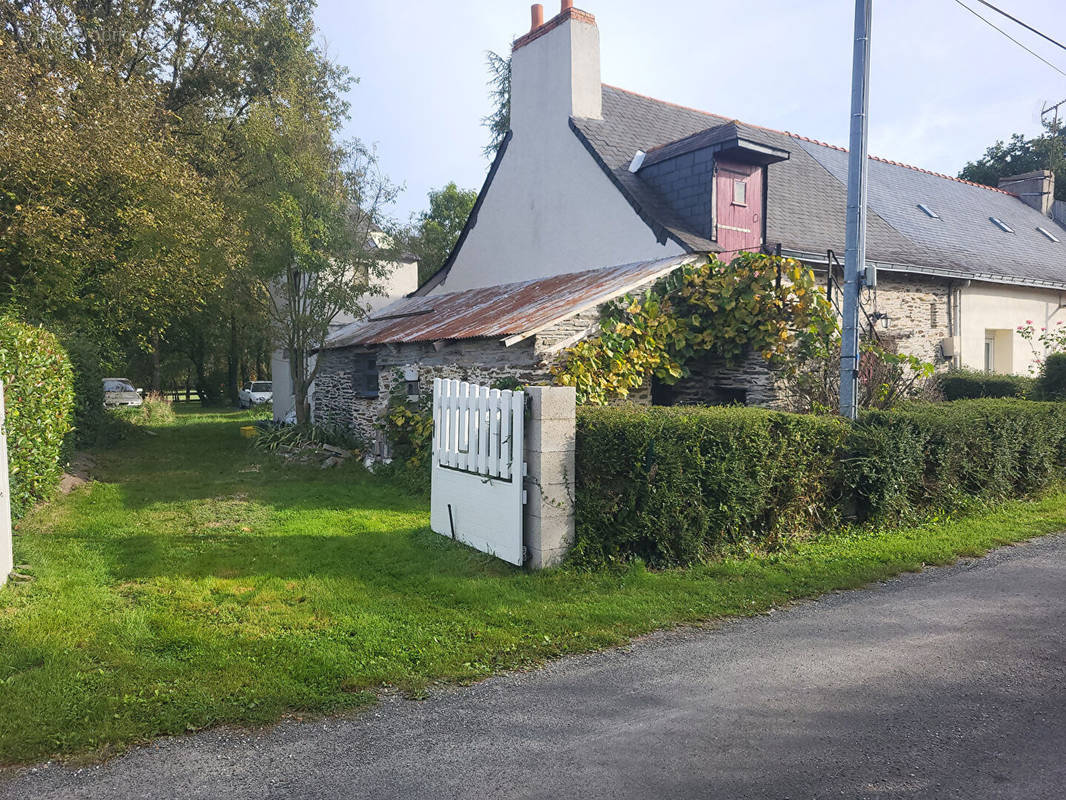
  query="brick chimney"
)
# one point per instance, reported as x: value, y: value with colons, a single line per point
x: 1036, y: 189
x: 555, y: 71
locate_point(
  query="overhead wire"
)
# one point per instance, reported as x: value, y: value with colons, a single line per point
x: 996, y: 27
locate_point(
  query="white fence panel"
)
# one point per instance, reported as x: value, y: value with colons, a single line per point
x: 477, y: 464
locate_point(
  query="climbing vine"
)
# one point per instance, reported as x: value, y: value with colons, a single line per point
x: 757, y: 303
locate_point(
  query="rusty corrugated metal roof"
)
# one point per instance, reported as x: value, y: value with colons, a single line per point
x: 498, y: 312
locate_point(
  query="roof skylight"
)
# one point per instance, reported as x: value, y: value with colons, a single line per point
x: 1048, y: 233
x: 1003, y: 226
x: 928, y: 211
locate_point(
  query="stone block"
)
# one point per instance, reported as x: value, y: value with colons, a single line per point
x: 552, y: 402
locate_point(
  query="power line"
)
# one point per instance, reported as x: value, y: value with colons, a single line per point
x: 996, y: 27
x: 1027, y: 27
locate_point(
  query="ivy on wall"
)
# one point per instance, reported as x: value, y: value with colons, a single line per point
x: 757, y: 303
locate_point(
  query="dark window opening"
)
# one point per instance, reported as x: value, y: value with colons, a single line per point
x: 365, y: 376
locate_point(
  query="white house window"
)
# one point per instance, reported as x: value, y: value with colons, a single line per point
x: 365, y: 376
x: 990, y: 354
x: 740, y: 193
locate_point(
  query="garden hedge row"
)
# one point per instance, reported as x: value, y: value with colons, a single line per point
x: 967, y: 384
x: 39, y: 399
x: 676, y: 485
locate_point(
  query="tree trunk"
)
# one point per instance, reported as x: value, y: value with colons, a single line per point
x: 157, y: 378
x: 231, y: 362
x: 300, y: 383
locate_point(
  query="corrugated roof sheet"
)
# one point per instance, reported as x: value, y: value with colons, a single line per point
x: 498, y: 312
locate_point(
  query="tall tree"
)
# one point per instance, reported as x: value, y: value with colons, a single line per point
x: 1019, y: 154
x: 499, y: 120
x: 436, y: 230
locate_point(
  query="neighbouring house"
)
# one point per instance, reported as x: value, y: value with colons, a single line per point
x: 401, y: 278
x: 592, y: 176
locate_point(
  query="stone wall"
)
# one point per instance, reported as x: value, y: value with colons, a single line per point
x: 918, y: 314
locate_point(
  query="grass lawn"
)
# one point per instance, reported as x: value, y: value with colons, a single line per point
x: 199, y: 582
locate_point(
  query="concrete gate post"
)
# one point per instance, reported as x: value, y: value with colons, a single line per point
x: 550, y: 445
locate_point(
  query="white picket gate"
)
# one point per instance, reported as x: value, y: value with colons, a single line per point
x: 478, y: 467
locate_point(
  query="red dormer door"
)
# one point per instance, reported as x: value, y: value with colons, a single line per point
x: 738, y: 207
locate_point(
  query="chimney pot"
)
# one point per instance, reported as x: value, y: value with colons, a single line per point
x: 537, y: 13
x: 566, y: 6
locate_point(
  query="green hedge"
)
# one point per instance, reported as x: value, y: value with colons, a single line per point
x: 676, y: 485
x: 89, y: 414
x: 966, y: 384
x: 39, y: 395
x: 1051, y: 385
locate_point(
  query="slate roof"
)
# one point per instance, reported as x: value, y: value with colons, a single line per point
x: 807, y: 197
x: 500, y: 312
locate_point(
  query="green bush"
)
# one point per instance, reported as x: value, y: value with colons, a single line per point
x: 1051, y: 385
x: 966, y: 384
x: 90, y: 418
x: 923, y: 457
x: 676, y: 485
x: 39, y: 400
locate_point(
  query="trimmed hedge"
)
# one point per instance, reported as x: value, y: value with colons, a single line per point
x: 39, y: 395
x: 677, y: 485
x: 89, y: 414
x: 1051, y: 385
x: 967, y: 384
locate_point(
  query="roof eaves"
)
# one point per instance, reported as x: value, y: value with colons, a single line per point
x: 936, y: 272
x: 662, y: 233
x: 438, y: 277
x: 667, y: 269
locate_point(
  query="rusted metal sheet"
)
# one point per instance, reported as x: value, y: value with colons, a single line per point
x: 508, y: 310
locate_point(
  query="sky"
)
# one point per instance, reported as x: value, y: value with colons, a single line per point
x: 944, y: 85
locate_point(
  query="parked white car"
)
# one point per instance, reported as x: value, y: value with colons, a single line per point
x: 119, y: 392
x: 255, y: 393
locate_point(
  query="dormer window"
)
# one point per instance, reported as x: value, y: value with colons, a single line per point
x: 740, y: 193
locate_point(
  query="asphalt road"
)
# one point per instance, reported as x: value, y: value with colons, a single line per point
x: 945, y: 684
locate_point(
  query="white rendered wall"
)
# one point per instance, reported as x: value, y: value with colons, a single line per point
x: 986, y: 306
x: 550, y: 208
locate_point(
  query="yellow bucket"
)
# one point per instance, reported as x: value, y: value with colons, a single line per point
x: 249, y: 431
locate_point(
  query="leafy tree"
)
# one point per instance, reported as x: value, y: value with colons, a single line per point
x: 436, y: 230
x: 1019, y: 154
x: 499, y: 120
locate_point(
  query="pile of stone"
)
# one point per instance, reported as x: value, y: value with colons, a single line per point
x: 325, y: 455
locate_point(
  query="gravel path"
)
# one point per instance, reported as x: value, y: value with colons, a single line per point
x: 945, y: 684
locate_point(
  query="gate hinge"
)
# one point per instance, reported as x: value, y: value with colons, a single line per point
x: 525, y: 496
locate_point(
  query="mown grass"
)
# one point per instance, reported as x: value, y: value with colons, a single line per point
x: 199, y: 582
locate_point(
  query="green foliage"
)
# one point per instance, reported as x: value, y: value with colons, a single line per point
x: 272, y: 437
x: 1051, y: 385
x: 1019, y: 155
x: 678, y: 485
x: 758, y: 303
x: 499, y: 121
x: 436, y: 230
x: 39, y: 401
x: 936, y: 456
x: 966, y: 384
x: 90, y: 418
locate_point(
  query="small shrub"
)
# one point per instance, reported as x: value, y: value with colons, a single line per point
x: 39, y: 400
x: 1051, y: 385
x: 156, y: 409
x: 965, y: 384
x: 273, y: 437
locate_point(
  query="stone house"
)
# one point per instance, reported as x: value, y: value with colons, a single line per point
x: 592, y: 175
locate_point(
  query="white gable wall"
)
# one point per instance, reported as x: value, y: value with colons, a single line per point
x: 550, y: 209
